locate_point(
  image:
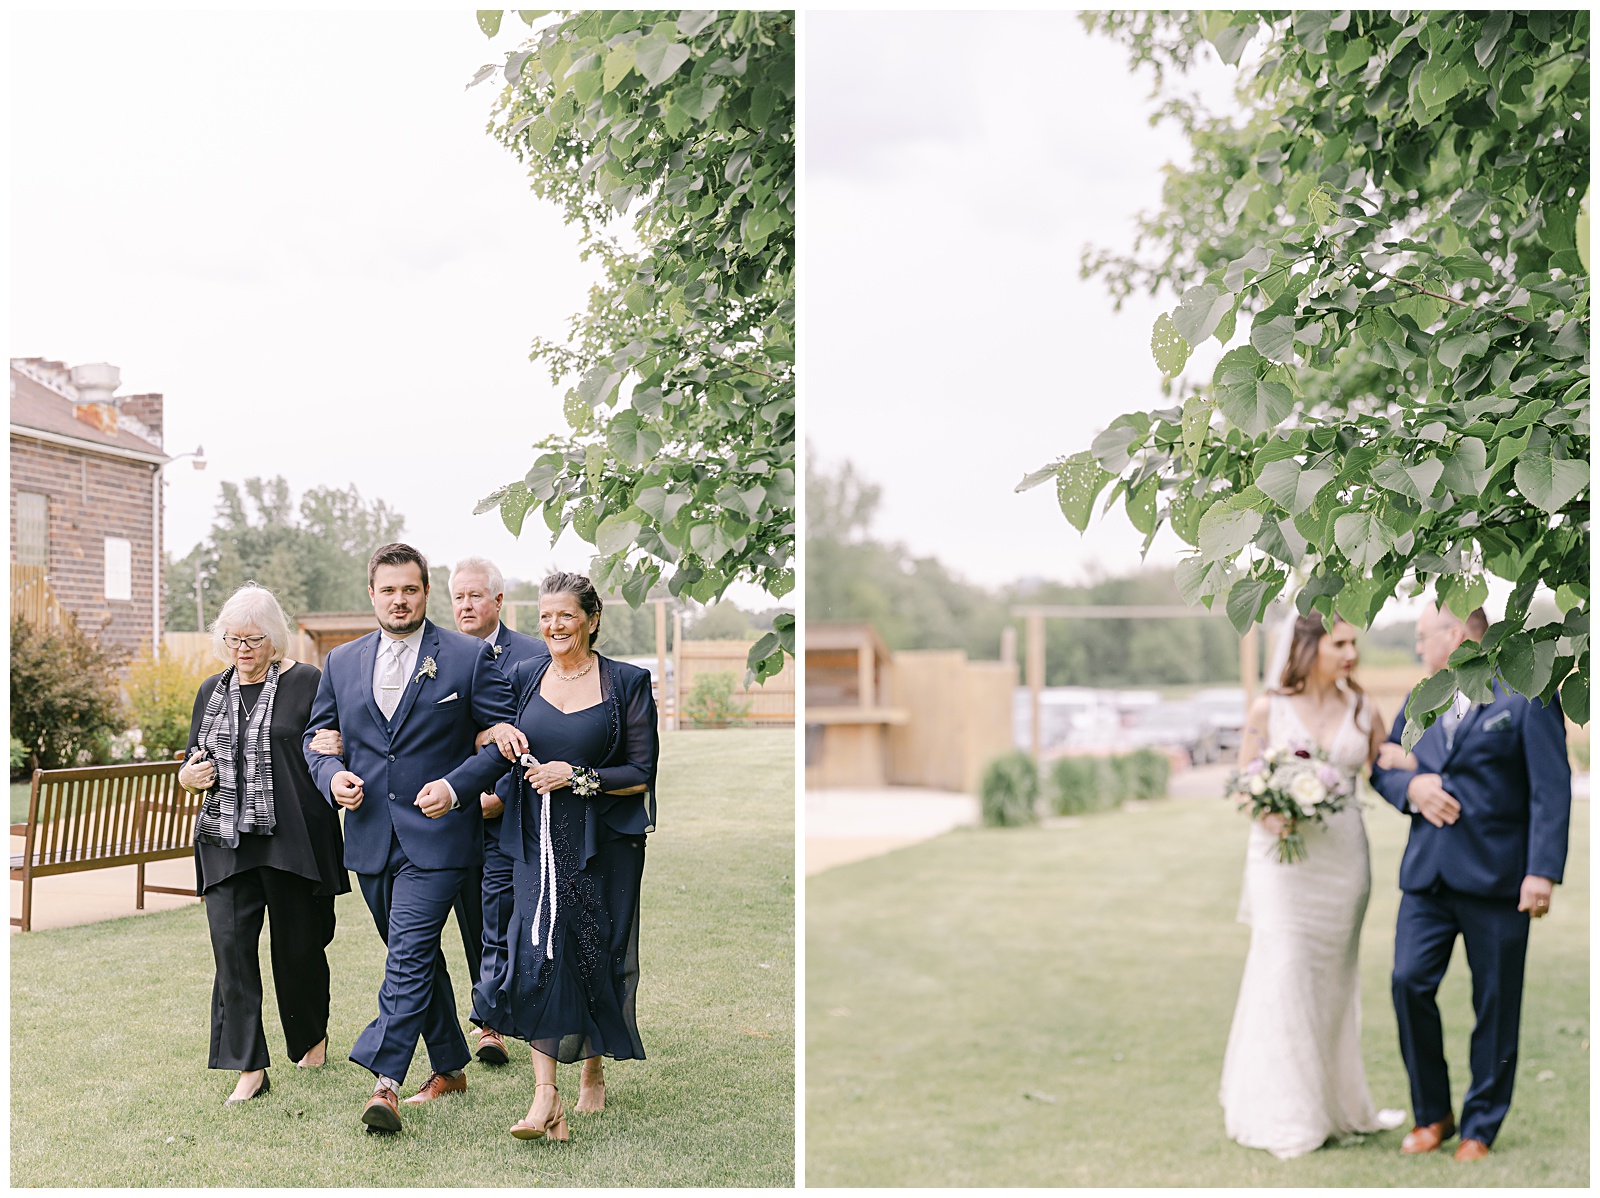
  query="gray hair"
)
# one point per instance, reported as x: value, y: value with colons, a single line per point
x: 480, y: 565
x: 251, y: 604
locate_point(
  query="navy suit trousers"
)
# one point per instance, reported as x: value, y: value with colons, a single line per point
x: 410, y: 906
x: 1496, y: 938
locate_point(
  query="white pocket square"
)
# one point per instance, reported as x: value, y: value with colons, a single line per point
x: 450, y: 698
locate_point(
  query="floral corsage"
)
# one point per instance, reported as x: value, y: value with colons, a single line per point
x: 585, y: 781
x: 429, y: 669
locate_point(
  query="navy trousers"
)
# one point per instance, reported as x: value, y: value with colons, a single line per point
x: 1496, y: 938
x: 469, y: 918
x: 483, y: 908
x: 497, y: 901
x: 410, y: 907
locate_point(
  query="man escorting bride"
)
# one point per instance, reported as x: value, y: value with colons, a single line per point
x: 1488, y: 793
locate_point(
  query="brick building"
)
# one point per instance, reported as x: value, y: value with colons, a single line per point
x: 86, y: 500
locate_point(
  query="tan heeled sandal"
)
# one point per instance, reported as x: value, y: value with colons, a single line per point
x: 554, y: 1126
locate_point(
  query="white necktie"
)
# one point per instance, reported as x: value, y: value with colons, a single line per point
x: 1451, y: 719
x: 392, y: 683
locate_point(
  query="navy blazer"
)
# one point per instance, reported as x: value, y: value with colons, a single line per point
x: 517, y: 646
x: 1508, y: 769
x: 629, y: 760
x: 429, y: 738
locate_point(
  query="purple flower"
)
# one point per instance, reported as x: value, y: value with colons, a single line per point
x: 1328, y: 776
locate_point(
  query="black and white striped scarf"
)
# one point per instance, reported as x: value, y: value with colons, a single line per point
x: 219, y: 731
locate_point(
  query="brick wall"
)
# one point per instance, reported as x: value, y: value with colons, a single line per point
x: 91, y: 497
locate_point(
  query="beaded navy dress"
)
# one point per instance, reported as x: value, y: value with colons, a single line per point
x: 572, y: 970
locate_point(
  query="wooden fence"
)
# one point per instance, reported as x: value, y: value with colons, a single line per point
x: 768, y: 705
x: 32, y: 598
x: 958, y: 718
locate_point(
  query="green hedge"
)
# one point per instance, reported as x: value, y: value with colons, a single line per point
x: 1009, y: 790
x: 1081, y: 784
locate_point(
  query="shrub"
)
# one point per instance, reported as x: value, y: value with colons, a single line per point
x: 1009, y: 790
x: 161, y: 693
x: 710, y: 702
x: 1148, y: 770
x: 1083, y: 784
x: 65, y: 706
x: 19, y: 758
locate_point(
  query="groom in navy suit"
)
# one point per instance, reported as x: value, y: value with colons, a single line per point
x: 1489, y: 792
x: 408, y: 702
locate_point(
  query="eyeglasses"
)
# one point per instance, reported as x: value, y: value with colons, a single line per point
x: 249, y: 642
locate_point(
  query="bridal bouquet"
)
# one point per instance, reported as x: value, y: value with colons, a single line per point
x: 1298, y: 783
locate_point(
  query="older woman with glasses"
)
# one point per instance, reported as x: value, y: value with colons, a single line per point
x: 267, y: 842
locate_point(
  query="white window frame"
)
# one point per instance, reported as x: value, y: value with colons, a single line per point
x: 119, y: 570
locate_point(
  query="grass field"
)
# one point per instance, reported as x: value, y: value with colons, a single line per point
x: 1049, y: 1007
x: 19, y: 801
x: 109, y: 1028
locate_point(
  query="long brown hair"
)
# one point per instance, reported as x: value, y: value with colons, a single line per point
x: 1308, y: 634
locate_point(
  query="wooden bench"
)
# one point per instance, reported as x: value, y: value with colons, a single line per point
x: 102, y: 816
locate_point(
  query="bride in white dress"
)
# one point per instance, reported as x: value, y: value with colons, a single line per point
x: 1292, y: 1077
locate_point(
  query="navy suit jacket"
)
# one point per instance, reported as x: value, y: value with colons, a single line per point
x: 517, y: 646
x: 430, y: 737
x: 1508, y: 769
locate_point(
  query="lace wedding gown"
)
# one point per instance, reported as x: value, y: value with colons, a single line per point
x: 1292, y: 1076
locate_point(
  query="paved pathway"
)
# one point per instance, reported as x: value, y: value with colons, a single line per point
x: 851, y: 825
x: 65, y: 900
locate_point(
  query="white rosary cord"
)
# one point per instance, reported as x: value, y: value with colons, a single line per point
x: 547, y: 869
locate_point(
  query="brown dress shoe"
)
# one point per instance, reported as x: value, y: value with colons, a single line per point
x: 1471, y: 1150
x: 382, y: 1113
x: 1427, y: 1138
x: 492, y: 1048
x: 437, y: 1086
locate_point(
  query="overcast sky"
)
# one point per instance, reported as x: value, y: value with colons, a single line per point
x: 295, y: 227
x: 957, y: 164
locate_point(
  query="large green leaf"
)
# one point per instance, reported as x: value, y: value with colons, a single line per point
x: 1247, y: 399
x: 1080, y: 480
x: 1525, y: 663
x: 1548, y: 482
x: 1200, y: 311
x: 1575, y: 696
x: 616, y: 533
x: 1167, y: 346
x: 1415, y: 482
x: 1363, y: 538
x: 1196, y: 420
x: 1225, y: 530
x: 1466, y: 470
x: 657, y: 57
x: 1275, y: 339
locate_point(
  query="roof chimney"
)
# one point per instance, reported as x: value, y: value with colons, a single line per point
x: 96, y: 383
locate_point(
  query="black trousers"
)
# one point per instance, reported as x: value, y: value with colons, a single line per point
x: 302, y: 928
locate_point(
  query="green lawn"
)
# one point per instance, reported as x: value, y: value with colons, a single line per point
x: 20, y: 792
x: 109, y: 1028
x: 1049, y: 1007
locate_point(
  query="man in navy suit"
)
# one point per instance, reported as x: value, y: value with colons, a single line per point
x: 1489, y: 792
x: 408, y: 702
x: 483, y: 908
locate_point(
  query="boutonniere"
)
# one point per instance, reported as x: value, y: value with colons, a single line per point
x: 428, y: 668
x: 497, y: 649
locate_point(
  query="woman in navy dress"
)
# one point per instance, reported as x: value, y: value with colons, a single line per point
x: 575, y: 824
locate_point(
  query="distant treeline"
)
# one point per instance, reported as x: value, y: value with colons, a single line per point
x: 314, y: 555
x: 917, y: 603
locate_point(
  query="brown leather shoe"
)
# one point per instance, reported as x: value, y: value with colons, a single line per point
x: 437, y: 1086
x: 382, y: 1113
x: 1427, y: 1138
x: 492, y: 1049
x: 1471, y: 1150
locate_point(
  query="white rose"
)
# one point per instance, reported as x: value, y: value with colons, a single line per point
x: 1307, y: 790
x: 1258, y: 785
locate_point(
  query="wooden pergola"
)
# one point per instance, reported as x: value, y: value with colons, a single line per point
x: 1037, y: 614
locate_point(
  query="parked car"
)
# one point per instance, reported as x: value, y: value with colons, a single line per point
x: 1174, y: 725
x: 1224, y: 706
